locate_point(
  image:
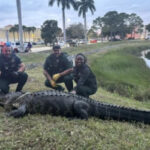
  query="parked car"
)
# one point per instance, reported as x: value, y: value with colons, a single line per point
x: 82, y: 41
x: 147, y: 38
x: 16, y: 46
x: 61, y: 43
x: 93, y: 41
x: 72, y: 43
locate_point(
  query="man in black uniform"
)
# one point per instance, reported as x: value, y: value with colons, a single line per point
x: 11, y: 70
x: 57, y: 69
x: 84, y: 77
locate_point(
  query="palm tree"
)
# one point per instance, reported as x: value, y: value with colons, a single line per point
x: 16, y: 26
x: 65, y: 4
x: 24, y: 32
x: 83, y: 7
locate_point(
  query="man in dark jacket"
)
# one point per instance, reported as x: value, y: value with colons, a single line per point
x: 84, y: 77
x: 57, y: 69
x: 11, y: 70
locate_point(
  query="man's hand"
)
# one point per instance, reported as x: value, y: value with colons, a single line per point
x: 53, y: 84
x: 56, y: 76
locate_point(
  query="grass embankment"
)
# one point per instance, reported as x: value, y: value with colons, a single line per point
x: 38, y: 132
x: 123, y: 72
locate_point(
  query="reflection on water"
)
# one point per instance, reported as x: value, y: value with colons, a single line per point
x: 147, y: 61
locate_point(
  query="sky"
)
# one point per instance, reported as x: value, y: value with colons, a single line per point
x: 35, y: 12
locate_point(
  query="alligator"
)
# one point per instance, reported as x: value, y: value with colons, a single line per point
x: 70, y: 105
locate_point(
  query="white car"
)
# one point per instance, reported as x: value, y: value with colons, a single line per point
x: 16, y: 46
x: 61, y: 43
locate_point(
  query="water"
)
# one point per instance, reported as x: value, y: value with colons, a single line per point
x: 147, y: 61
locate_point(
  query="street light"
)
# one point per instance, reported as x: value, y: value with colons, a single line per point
x: 18, y: 2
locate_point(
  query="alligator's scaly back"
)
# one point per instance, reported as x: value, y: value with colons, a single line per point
x: 79, y: 106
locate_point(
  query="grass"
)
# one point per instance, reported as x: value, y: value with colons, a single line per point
x: 123, y: 72
x: 48, y: 132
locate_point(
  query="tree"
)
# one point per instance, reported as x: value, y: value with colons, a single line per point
x: 17, y: 30
x: 24, y: 31
x: 110, y: 20
x: 122, y: 28
x: 49, y: 31
x: 83, y: 7
x: 75, y: 31
x: 13, y: 30
x: 65, y: 4
x: 98, y: 25
x: 135, y: 23
x: 148, y: 27
x: 117, y: 24
x: 92, y: 33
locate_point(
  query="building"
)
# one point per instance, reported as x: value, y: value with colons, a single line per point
x: 137, y: 35
x: 7, y: 35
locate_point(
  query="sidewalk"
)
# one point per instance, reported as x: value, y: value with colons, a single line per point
x: 39, y: 49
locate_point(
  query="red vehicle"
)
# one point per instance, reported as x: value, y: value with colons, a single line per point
x: 93, y: 41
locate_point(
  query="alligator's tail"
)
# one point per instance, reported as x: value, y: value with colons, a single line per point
x: 107, y: 111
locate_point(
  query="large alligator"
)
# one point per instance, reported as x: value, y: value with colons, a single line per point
x: 69, y: 105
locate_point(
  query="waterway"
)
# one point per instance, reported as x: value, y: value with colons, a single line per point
x: 147, y: 61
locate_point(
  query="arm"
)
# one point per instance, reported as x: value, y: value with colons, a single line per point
x: 58, y: 75
x: 52, y: 82
x: 47, y: 75
x: 66, y: 72
x: 21, y: 68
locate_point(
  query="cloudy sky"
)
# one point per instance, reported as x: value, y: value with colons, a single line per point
x: 35, y: 12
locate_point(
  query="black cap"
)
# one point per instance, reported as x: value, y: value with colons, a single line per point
x: 56, y: 47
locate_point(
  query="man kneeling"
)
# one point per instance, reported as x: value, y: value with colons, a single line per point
x: 11, y: 70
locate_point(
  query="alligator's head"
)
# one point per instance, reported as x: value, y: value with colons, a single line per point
x: 7, y: 100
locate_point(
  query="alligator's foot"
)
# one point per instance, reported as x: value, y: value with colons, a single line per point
x: 20, y: 112
x: 81, y: 109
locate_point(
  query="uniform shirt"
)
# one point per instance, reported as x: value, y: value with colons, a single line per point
x: 55, y: 64
x: 9, y: 65
x: 83, y: 76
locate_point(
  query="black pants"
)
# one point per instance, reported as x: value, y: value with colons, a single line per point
x: 85, y: 91
x: 67, y: 79
x: 21, y: 79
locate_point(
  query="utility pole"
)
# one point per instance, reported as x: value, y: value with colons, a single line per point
x: 18, y: 2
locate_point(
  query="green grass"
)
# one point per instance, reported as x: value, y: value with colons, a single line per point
x: 46, y: 132
x: 123, y: 72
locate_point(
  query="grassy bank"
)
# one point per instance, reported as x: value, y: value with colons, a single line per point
x: 46, y: 132
x: 122, y: 71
